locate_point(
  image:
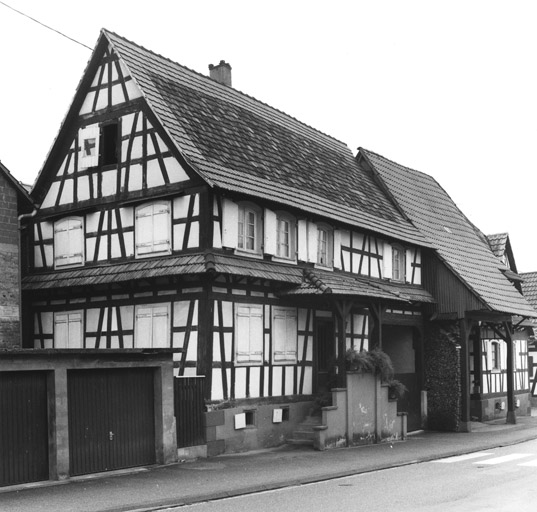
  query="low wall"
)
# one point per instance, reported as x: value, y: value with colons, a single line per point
x: 360, y: 414
x: 491, y: 408
x: 252, y: 427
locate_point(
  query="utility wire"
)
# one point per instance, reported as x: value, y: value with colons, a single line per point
x: 46, y: 26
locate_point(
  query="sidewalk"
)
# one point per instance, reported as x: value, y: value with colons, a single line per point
x: 152, y: 488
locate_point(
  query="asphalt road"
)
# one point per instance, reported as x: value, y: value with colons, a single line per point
x: 501, y: 479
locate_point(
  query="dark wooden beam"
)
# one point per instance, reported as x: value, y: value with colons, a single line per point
x: 465, y: 327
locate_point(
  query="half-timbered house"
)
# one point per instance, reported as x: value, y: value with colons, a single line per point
x: 177, y: 212
x: 529, y: 289
x: 480, y: 309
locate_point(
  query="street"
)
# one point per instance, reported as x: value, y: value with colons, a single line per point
x: 498, y: 479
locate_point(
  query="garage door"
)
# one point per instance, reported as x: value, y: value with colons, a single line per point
x: 23, y: 427
x: 111, y: 419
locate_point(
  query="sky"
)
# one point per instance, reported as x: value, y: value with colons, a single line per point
x: 445, y: 87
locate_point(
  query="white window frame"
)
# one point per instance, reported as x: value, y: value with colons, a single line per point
x: 69, y: 242
x: 249, y: 334
x: 284, y: 335
x: 74, y: 334
x: 495, y: 355
x: 146, y: 244
x: 398, y: 263
x: 150, y: 313
x: 329, y: 246
x: 245, y: 211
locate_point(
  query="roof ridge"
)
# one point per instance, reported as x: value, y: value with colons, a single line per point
x: 236, y: 91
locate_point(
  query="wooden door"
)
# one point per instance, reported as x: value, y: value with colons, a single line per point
x: 325, y: 354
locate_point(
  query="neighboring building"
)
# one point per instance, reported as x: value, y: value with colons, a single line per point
x: 15, y: 201
x: 529, y: 289
x: 176, y: 212
x: 476, y: 300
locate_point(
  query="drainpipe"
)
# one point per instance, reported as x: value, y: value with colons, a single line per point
x: 20, y: 218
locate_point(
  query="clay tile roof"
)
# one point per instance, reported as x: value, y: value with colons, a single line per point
x: 498, y: 243
x: 529, y: 287
x: 240, y: 144
x: 454, y: 237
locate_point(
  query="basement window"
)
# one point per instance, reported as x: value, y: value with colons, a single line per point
x: 250, y: 418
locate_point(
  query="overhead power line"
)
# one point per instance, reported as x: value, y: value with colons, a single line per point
x: 46, y: 26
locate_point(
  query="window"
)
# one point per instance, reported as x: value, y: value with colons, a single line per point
x: 109, y: 146
x: 398, y: 263
x: 249, y: 231
x: 153, y: 229
x: 249, y: 334
x: 284, y: 335
x: 68, y: 331
x: 495, y: 355
x: 152, y: 326
x: 285, y: 236
x: 69, y: 242
x: 99, y: 145
x: 324, y: 246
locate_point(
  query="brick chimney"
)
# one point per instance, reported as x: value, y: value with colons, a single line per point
x: 221, y: 73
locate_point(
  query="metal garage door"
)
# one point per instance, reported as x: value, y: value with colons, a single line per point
x: 23, y: 427
x: 111, y: 419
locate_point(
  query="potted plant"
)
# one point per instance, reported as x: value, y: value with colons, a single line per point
x: 396, y: 389
x: 359, y: 360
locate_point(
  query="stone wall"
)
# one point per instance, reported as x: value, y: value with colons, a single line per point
x: 9, y: 265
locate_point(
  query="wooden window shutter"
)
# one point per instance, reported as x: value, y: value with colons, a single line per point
x: 160, y: 331
x: 387, y: 260
x: 161, y: 228
x: 312, y: 242
x: 68, y: 331
x: 68, y: 242
x: 143, y: 328
x: 89, y: 146
x: 337, y: 249
x: 270, y: 231
x: 230, y: 223
x: 409, y: 257
x: 302, y: 243
x: 249, y: 334
x: 284, y: 335
x: 61, y: 330
x: 153, y: 229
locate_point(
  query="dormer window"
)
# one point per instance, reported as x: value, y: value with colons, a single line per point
x: 398, y: 263
x: 249, y: 233
x: 69, y: 242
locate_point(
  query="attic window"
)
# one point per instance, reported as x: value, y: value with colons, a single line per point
x: 109, y: 137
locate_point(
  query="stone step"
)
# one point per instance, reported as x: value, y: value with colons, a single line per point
x: 300, y: 442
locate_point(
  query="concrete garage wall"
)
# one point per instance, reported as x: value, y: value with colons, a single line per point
x: 57, y: 363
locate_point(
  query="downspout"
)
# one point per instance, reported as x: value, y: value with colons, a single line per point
x: 20, y: 218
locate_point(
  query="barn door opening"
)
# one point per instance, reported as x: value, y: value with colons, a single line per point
x: 111, y: 419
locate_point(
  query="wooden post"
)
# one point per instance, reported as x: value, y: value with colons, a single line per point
x: 343, y: 309
x: 465, y: 425
x: 511, y: 414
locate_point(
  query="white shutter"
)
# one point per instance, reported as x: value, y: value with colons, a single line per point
x: 68, y: 242
x: 302, y: 240
x: 143, y: 327
x: 271, y: 227
x: 284, y: 335
x: 161, y: 228
x: 160, y: 335
x: 76, y: 242
x: 144, y: 229
x: 61, y: 330
x: 89, y: 146
x: 337, y: 249
x: 388, y: 261
x: 409, y: 258
x: 75, y: 330
x: 249, y: 334
x: 312, y: 242
x: 230, y: 223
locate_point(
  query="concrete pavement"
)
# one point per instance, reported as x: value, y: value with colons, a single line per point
x: 154, y: 488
